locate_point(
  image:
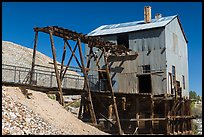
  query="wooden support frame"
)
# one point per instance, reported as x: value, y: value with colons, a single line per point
x: 112, y: 93
x: 60, y: 94
x: 66, y: 67
x: 107, y: 49
x: 33, y: 59
x: 90, y: 104
x: 62, y: 62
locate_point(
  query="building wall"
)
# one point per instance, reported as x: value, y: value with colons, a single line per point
x: 152, y: 42
x: 177, y: 54
x: 157, y: 48
x: 125, y: 77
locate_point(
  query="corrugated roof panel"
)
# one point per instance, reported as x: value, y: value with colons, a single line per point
x: 130, y: 26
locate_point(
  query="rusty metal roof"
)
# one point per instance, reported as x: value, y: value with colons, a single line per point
x: 131, y: 26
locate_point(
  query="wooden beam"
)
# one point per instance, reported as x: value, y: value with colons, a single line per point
x: 152, y: 115
x: 112, y: 93
x: 33, y: 59
x: 137, y: 111
x: 74, y: 54
x: 62, y: 62
x: 61, y: 100
x: 66, y: 67
x: 87, y: 88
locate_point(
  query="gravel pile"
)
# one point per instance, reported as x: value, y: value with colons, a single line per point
x: 38, y: 115
x: 18, y: 119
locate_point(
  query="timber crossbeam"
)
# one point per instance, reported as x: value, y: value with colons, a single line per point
x: 90, y: 40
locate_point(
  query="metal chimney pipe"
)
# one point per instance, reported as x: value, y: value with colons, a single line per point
x: 158, y: 16
x: 147, y: 14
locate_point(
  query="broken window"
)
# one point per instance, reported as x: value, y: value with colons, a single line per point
x: 123, y: 39
x: 183, y: 81
x: 145, y: 85
x: 146, y: 68
x: 173, y: 72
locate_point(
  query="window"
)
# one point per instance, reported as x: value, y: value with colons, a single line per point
x: 145, y: 85
x: 123, y: 39
x: 146, y: 68
x: 173, y: 72
x: 183, y: 81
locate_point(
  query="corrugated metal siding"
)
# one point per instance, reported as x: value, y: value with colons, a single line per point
x: 177, y: 54
x: 142, y: 42
x: 160, y: 49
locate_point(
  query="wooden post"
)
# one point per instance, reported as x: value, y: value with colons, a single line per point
x: 110, y: 113
x: 87, y: 88
x: 63, y: 57
x: 190, y: 121
x: 61, y: 100
x: 89, y: 58
x: 166, y: 113
x: 152, y: 115
x: 182, y: 113
x: 112, y: 94
x: 81, y: 105
x: 33, y: 59
x: 137, y: 112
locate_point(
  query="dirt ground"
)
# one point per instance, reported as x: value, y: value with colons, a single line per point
x: 52, y: 112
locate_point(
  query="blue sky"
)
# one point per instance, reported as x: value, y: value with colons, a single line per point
x: 19, y: 19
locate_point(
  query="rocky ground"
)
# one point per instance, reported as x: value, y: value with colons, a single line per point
x: 197, y: 123
x: 39, y: 115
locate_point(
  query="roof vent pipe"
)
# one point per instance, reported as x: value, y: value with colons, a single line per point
x: 147, y: 14
x: 158, y: 16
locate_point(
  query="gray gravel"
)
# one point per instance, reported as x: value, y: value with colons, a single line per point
x: 18, y: 119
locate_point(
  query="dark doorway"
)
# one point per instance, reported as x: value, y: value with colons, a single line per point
x: 123, y: 39
x: 145, y: 85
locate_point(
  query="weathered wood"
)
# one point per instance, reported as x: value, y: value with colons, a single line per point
x: 81, y: 105
x: 74, y: 54
x: 34, y: 56
x: 152, y: 115
x: 95, y: 41
x: 89, y: 59
x: 62, y: 62
x: 66, y: 67
x: 137, y: 111
x: 134, y: 120
x: 87, y: 88
x: 112, y: 93
x: 166, y: 112
x: 61, y: 100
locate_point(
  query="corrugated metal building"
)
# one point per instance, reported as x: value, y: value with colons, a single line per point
x: 163, y: 57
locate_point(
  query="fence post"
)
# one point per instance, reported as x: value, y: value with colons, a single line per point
x: 19, y: 80
x: 14, y: 74
x: 51, y: 79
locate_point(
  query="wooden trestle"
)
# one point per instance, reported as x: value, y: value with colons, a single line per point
x: 107, y: 48
x: 122, y: 113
